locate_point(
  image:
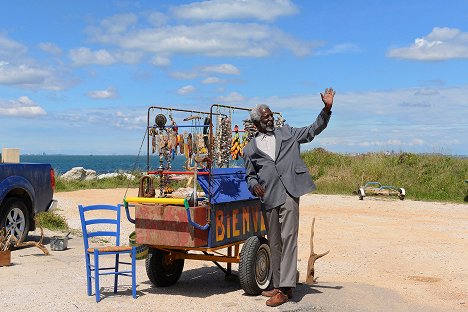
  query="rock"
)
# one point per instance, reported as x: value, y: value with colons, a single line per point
x: 116, y: 174
x: 79, y: 174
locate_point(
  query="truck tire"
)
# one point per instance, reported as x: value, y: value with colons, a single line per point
x: 161, y: 270
x: 255, y: 265
x: 14, y: 217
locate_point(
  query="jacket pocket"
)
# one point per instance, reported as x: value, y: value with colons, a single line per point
x: 301, y: 169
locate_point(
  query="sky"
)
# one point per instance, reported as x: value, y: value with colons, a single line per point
x: 78, y: 76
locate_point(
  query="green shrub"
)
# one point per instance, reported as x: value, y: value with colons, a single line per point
x: 424, y: 176
x: 62, y: 185
x: 52, y: 221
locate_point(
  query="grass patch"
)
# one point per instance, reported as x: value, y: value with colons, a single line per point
x: 120, y: 181
x: 52, y: 221
x: 62, y: 185
x: 432, y: 177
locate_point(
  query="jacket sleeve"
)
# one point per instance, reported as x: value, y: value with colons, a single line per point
x: 250, y: 173
x: 307, y: 134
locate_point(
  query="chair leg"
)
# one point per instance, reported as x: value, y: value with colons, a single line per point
x: 116, y: 276
x: 134, y: 272
x: 88, y: 273
x: 96, y: 275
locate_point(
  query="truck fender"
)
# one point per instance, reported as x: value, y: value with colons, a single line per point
x: 16, y: 182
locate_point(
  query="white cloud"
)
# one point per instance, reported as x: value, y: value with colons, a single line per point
x: 209, y: 39
x: 414, y: 119
x: 160, y: 61
x: 157, y: 19
x: 118, y: 23
x: 21, y: 74
x: 441, y: 44
x: 32, y: 77
x: 265, y: 10
x: 10, y: 48
x: 22, y: 107
x: 50, y: 48
x: 186, y: 90
x: 212, y: 80
x: 226, y: 69
x: 109, y: 93
x: 124, y: 118
x: 84, y: 56
x: 233, y: 97
x: 18, y: 69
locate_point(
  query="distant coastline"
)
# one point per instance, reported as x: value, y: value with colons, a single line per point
x: 115, y: 163
x: 100, y: 163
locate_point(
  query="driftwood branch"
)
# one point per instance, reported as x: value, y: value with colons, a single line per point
x: 38, y: 244
x: 312, y: 258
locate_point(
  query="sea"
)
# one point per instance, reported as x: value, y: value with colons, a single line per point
x: 101, y: 163
x: 107, y: 163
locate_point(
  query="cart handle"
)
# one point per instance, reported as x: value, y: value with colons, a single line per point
x: 169, y: 201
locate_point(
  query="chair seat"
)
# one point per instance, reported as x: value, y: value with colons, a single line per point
x: 110, y: 249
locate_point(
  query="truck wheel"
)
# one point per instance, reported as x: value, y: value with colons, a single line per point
x: 161, y: 269
x: 15, y: 218
x: 255, y: 265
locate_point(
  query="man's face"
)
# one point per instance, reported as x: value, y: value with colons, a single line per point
x: 266, y: 123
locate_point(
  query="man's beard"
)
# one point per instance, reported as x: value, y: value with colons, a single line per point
x: 266, y: 127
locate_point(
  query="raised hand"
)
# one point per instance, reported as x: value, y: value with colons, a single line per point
x: 327, y: 98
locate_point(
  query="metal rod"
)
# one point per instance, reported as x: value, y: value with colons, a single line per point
x: 178, y: 172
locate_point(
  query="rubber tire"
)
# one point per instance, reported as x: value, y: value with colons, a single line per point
x: 253, y: 248
x: 361, y: 193
x: 401, y: 196
x: 7, y: 207
x: 159, y: 273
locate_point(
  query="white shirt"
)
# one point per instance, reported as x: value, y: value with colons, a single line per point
x: 266, y: 143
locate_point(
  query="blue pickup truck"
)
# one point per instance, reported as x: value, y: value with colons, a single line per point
x: 25, y: 190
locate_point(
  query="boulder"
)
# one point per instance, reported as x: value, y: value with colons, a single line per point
x: 79, y: 174
x: 115, y: 174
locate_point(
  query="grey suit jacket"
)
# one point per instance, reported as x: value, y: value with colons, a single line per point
x: 288, y: 172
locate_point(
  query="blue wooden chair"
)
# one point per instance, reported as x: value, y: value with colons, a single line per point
x: 99, y: 228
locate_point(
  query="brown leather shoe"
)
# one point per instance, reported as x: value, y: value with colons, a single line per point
x: 277, y: 299
x: 274, y: 291
x: 270, y: 293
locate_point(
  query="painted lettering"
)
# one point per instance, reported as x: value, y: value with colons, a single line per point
x: 245, y: 220
x: 219, y: 225
x: 235, y: 215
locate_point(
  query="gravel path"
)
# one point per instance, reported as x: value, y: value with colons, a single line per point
x: 385, y: 255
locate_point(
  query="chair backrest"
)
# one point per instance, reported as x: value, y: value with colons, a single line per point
x: 100, y: 226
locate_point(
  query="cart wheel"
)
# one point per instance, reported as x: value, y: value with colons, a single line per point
x: 161, y: 269
x: 402, y: 193
x: 254, y: 267
x: 361, y: 193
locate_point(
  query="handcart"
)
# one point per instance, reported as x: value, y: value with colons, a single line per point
x: 209, y: 227
x: 375, y: 188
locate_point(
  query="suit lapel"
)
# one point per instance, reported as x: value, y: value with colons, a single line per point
x: 278, y: 141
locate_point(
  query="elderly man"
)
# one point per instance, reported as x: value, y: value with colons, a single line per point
x: 277, y: 175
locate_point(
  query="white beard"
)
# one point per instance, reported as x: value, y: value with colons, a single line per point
x: 266, y: 127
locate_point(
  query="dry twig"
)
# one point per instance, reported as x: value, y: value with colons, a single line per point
x: 312, y: 258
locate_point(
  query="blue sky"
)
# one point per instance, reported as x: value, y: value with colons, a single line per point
x: 77, y: 77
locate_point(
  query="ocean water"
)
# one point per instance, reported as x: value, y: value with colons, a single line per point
x: 100, y: 163
x: 107, y: 163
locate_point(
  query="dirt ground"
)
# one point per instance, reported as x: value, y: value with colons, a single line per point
x: 385, y: 255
